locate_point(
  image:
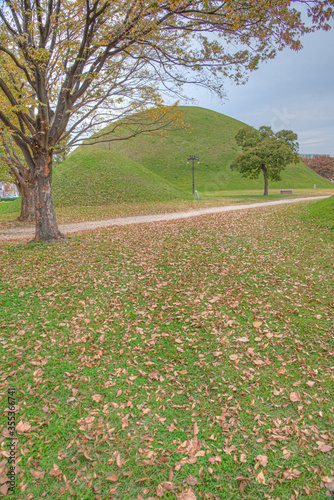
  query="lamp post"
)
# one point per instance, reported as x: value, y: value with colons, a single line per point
x: 193, y: 158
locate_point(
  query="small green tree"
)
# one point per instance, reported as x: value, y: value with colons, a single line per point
x: 266, y: 152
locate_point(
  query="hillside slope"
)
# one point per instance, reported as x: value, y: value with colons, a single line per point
x: 211, y: 137
x: 97, y: 177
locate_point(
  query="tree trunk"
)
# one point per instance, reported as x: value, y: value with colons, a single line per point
x: 27, y: 203
x: 46, y: 224
x: 265, y: 175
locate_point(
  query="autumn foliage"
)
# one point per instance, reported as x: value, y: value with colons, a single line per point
x: 322, y: 165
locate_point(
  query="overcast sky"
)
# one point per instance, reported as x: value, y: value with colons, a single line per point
x: 294, y: 91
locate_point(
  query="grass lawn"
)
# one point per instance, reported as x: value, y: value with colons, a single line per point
x: 186, y: 359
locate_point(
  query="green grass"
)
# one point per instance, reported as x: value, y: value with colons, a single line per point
x: 321, y: 213
x: 10, y: 207
x: 173, y: 352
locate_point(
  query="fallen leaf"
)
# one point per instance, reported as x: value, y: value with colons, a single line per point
x: 97, y: 397
x: 196, y: 429
x: 112, y: 477
x: 329, y: 482
x: 260, y: 478
x: 187, y: 495
x: 37, y: 474
x: 191, y: 480
x: 262, y: 459
x: 119, y: 462
x: 4, y: 489
x: 55, y: 472
x: 325, y: 448
x: 295, y: 397
x: 258, y: 362
x: 282, y: 371
x: 243, y: 339
x: 257, y: 324
x: 200, y: 453
x: 243, y: 483
x: 160, y: 491
x: 23, y: 426
x: 169, y: 486
x: 234, y: 357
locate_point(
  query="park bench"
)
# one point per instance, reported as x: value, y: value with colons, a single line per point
x: 286, y: 191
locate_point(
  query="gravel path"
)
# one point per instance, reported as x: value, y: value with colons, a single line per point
x: 28, y: 233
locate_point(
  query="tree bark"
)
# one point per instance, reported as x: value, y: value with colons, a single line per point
x: 46, y: 224
x: 265, y: 175
x: 27, y: 203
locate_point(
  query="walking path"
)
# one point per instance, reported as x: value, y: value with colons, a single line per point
x: 24, y: 233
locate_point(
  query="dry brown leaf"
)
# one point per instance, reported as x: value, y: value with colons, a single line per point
x: 243, y: 458
x: 4, y: 489
x: 37, y: 474
x: 229, y: 449
x: 262, y: 459
x: 325, y: 448
x: 23, y: 426
x: 258, y: 362
x: 55, y: 472
x: 260, y: 478
x: 243, y: 483
x: 187, y: 495
x: 257, y: 324
x: 243, y: 339
x: 119, y: 462
x: 233, y: 357
x: 329, y: 482
x: 112, y: 477
x: 160, y: 491
x: 196, y: 429
x: 191, y: 480
x: 97, y: 397
x: 169, y: 486
x: 295, y: 397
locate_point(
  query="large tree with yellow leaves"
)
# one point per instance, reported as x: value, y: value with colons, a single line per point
x: 83, y: 63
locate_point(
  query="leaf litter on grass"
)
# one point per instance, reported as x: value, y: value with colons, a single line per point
x: 188, y: 359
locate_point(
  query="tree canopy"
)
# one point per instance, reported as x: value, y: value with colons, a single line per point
x: 266, y: 152
x: 70, y: 66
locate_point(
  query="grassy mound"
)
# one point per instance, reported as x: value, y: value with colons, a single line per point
x: 211, y: 137
x: 97, y: 177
